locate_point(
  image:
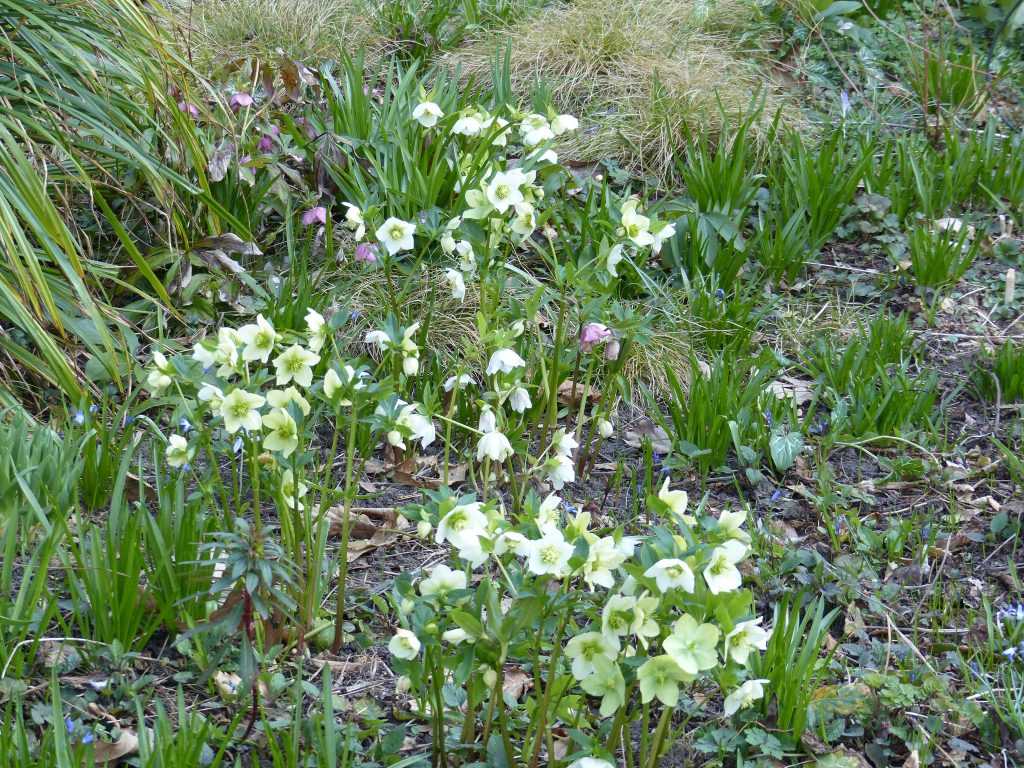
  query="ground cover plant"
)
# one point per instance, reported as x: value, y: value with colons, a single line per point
x: 511, y: 384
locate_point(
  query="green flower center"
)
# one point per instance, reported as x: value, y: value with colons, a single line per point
x: 396, y: 233
x: 502, y: 191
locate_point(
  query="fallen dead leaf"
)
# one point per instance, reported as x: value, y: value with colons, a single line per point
x: 515, y: 683
x: 648, y: 430
x: 109, y: 751
x: 571, y: 393
x: 227, y: 684
x: 800, y: 391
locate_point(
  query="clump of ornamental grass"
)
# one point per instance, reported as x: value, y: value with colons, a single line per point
x: 218, y: 33
x: 640, y: 73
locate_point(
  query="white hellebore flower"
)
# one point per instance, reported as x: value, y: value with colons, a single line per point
x: 692, y: 645
x: 378, y: 338
x: 721, y: 573
x: 396, y: 235
x: 744, y: 696
x: 730, y: 524
x: 295, y: 364
x: 504, y: 361
x: 283, y: 433
x: 548, y: 515
x: 549, y: 555
x: 159, y: 378
x: 564, y: 443
x: 259, y: 339
x: 457, y: 283
x: 241, y: 410
x: 587, y: 646
x: 534, y: 129
x: 504, y: 191
x: 442, y: 579
x: 664, y: 233
x: 456, y: 636
x: 746, y: 637
x: 604, y: 557
x: 564, y: 123
x: 209, y: 393
x: 404, y: 645
x: 677, y: 502
x: 613, y: 259
x: 560, y: 471
x: 420, y: 426
x: 354, y: 221
x: 520, y: 400
x: 293, y: 493
x: 671, y: 573
x: 494, y: 446
x: 427, y: 113
x: 605, y: 428
x: 465, y: 523
x: 468, y: 125
x: 463, y: 380
x: 636, y: 226
x: 317, y: 329
x: 179, y: 453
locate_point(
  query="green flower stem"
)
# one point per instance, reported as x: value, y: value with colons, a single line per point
x: 350, y: 445
x: 556, y: 650
x: 659, y: 737
x: 552, y: 380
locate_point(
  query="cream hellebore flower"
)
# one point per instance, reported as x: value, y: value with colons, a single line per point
x: 604, y: 557
x: 404, y: 645
x: 511, y: 541
x: 547, y: 514
x: 744, y: 696
x: 504, y: 361
x: 378, y: 338
x: 463, y: 525
x: 494, y: 446
x: 295, y: 364
x: 396, y: 235
x: 159, y: 378
x: 463, y: 380
x: 354, y: 221
x: 469, y: 124
x: 427, y: 113
x: 745, y: 637
x: 503, y: 191
x: 280, y: 398
x: 467, y: 258
x: 560, y: 470
x: 226, y: 353
x: 605, y: 428
x: 283, y: 433
x: 259, y: 339
x: 564, y: 123
x: 693, y: 646
x: 629, y: 615
x: 613, y: 259
x: 442, y: 579
x: 564, y: 443
x: 520, y: 400
x: 549, y: 555
x: 210, y: 393
x: 524, y: 221
x: 420, y: 426
x: 665, y: 232
x: 456, y: 636
x: 730, y: 524
x: 179, y: 452
x: 457, y: 283
x: 316, y: 326
x: 634, y: 225
x: 410, y: 351
x: 677, y: 502
x: 591, y: 762
x: 606, y: 681
x: 671, y: 573
x: 586, y: 647
x: 291, y: 491
x: 659, y: 678
x: 534, y: 129
x: 721, y: 573
x: 240, y: 410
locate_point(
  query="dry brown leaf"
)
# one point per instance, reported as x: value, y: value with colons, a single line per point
x: 359, y: 547
x: 227, y: 684
x: 515, y: 683
x: 375, y: 467
x: 648, y: 430
x: 108, y: 751
x: 799, y: 390
x: 571, y: 393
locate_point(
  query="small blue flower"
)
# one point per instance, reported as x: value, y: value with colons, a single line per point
x: 237, y: 447
x: 569, y: 507
x: 719, y: 293
x: 776, y: 495
x: 769, y: 420
x: 129, y: 419
x: 87, y: 738
x: 1010, y: 653
x: 93, y: 408
x: 186, y: 467
x: 185, y: 426
x: 79, y: 418
x: 354, y: 315
x: 69, y: 724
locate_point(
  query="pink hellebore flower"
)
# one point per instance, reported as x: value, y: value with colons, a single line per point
x: 593, y: 334
x: 366, y: 252
x: 314, y: 216
x: 188, y: 108
x: 267, y: 139
x: 240, y: 100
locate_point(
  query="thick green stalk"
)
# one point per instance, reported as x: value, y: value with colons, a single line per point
x: 350, y: 450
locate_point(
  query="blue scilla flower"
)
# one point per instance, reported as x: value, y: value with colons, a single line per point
x: 776, y: 495
x: 185, y: 426
x: 79, y: 418
x: 719, y: 293
x: 93, y: 408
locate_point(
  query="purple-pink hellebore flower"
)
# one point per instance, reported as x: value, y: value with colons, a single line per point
x: 367, y: 253
x: 240, y: 100
x: 188, y: 108
x: 316, y: 215
x: 593, y: 334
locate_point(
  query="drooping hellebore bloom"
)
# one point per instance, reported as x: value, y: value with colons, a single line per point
x: 677, y: 502
x: 366, y: 253
x: 316, y: 215
x: 504, y: 361
x: 316, y: 327
x: 282, y: 398
x: 456, y: 282
x: 354, y: 221
x: 560, y: 471
x: 744, y: 696
x: 240, y: 100
x: 404, y: 645
x: 593, y: 334
x: 608, y: 683
x: 159, y: 378
x: 612, y: 260
x: 494, y: 446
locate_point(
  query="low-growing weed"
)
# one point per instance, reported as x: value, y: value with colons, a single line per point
x: 998, y: 374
